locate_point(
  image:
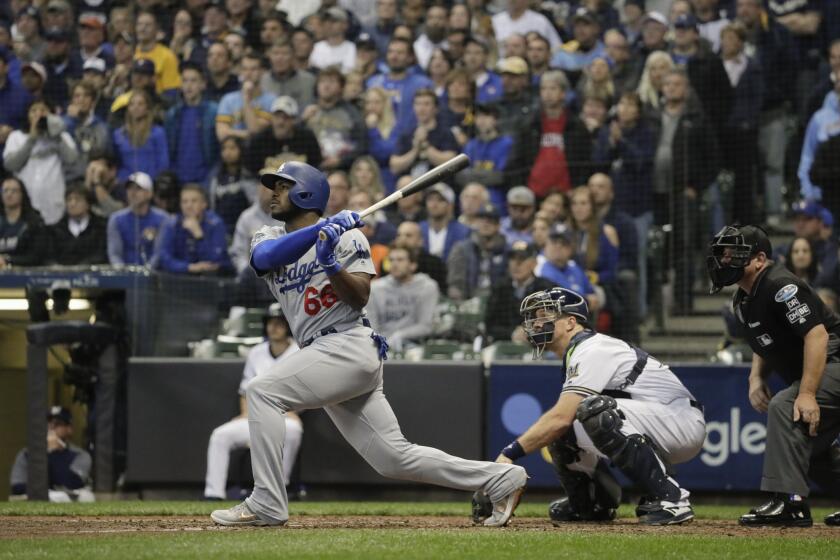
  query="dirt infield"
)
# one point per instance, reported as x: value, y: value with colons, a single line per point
x: 51, y: 526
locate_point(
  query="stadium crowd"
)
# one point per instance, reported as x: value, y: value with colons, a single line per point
x: 135, y: 133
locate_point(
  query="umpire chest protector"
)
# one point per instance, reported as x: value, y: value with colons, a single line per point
x: 777, y: 315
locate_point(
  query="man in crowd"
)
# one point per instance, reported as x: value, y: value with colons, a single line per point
x: 441, y: 231
x: 427, y: 146
x: 284, y: 79
x: 575, y: 55
x: 90, y: 132
x: 220, y: 79
x: 167, y: 79
x: 253, y: 218
x: 559, y: 267
x: 489, y: 153
x: 433, y: 36
x: 474, y: 196
x: 478, y: 263
x: 521, y: 206
x: 133, y: 232
x: 334, y: 49
x: 284, y: 140
x: 517, y: 105
x: 80, y: 237
x: 410, y: 236
x: 245, y: 113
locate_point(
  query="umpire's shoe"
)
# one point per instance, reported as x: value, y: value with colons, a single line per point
x: 504, y: 508
x: 241, y: 516
x: 833, y: 520
x: 781, y: 511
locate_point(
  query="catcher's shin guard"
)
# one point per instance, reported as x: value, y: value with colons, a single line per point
x: 634, y: 455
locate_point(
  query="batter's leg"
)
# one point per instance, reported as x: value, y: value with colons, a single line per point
x: 227, y: 437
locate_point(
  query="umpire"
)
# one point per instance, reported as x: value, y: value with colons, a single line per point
x: 793, y: 334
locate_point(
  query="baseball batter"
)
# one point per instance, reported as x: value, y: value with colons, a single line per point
x: 618, y: 404
x: 322, y: 290
x: 234, y: 434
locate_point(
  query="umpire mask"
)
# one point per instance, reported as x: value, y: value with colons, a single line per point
x: 554, y: 302
x: 731, y: 251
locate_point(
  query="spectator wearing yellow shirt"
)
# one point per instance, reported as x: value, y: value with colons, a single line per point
x: 167, y: 77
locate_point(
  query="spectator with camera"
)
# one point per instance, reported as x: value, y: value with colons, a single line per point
x: 40, y: 157
x: 22, y: 238
x: 80, y: 236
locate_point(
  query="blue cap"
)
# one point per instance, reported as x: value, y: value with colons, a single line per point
x: 60, y: 413
x: 826, y: 217
x: 488, y: 211
x: 57, y: 34
x: 807, y: 208
x: 561, y: 231
x: 685, y: 21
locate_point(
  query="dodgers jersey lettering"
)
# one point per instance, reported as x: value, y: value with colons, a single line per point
x: 304, y: 291
x: 602, y: 363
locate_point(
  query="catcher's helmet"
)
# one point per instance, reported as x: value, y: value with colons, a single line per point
x: 554, y: 302
x: 310, y: 190
x: 731, y: 251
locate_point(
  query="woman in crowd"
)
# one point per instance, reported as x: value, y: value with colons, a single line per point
x: 140, y: 144
x: 232, y: 187
x: 597, y: 81
x: 440, y: 64
x: 597, y: 242
x: 183, y: 40
x: 365, y: 175
x: 555, y: 207
x: 382, y: 132
x: 23, y: 241
x: 658, y: 64
x: 800, y: 260
x: 458, y: 111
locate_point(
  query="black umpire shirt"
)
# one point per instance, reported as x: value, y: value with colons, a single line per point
x: 777, y: 315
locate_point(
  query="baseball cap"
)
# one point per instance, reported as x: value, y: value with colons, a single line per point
x: 827, y: 217
x: 140, y: 179
x: 58, y: 6
x: 807, y: 208
x: 444, y: 191
x: 59, y: 413
x: 36, y: 67
x: 144, y: 66
x: 57, y: 34
x: 488, y: 211
x: 487, y: 109
x: 91, y: 19
x: 657, y: 17
x: 522, y: 250
x: 583, y: 14
x: 560, y: 231
x: 512, y: 65
x: 94, y: 64
x: 335, y: 13
x: 365, y: 41
x: 285, y: 104
x: 521, y: 196
x: 685, y: 21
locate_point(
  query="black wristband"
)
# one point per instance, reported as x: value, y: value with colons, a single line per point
x: 514, y: 450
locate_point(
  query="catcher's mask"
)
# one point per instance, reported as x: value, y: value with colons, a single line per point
x: 731, y: 251
x: 541, y: 309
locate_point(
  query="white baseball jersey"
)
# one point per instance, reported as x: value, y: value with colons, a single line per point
x: 601, y: 362
x: 259, y: 360
x: 304, y: 291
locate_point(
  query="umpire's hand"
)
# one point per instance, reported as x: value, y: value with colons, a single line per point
x: 805, y: 408
x: 759, y: 395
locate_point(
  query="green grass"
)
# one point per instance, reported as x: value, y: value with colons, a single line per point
x: 401, y: 544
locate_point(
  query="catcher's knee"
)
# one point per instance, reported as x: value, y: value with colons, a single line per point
x: 601, y: 420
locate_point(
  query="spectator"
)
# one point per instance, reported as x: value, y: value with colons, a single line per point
x: 193, y: 241
x: 596, y: 81
x: 273, y: 30
x: 39, y: 158
x: 501, y: 317
x: 364, y: 175
x: 378, y: 229
x: 303, y: 42
x: 57, y: 14
x: 80, y: 237
x: 191, y: 129
x: 337, y: 124
x: 334, y: 49
x: 134, y: 231
x: 245, y: 113
x: 385, y: 22
x: 30, y: 46
x: 555, y: 207
x: 410, y: 236
x: 574, y: 55
x: 489, y: 153
x: 284, y: 140
x: 541, y: 228
x: 167, y: 79
x: 410, y: 208
x: 478, y: 263
x: 91, y: 133
x: 825, y: 170
x: 101, y: 179
x: 354, y: 87
x: 521, y: 206
x: 402, y: 304
x: 473, y: 197
x: 183, y: 41
x: 33, y: 77
x: 596, y: 242
x: 284, y: 79
x: 23, y: 241
x: 456, y: 112
x: 220, y: 79
x: 278, y: 344
x: 430, y: 144
x: 382, y: 132
x: 433, y: 36
x: 824, y: 125
x: 440, y: 64
x: 593, y: 115
x: 654, y: 33
x: 686, y: 162
x: 232, y: 187
x: 339, y: 183
x: 814, y: 223
x: 515, y: 45
x: 94, y: 73
x: 538, y: 56
x: 400, y: 84
x: 92, y: 39
x: 559, y: 267
x: 801, y: 260
x: 554, y: 150
x: 517, y: 104
x: 140, y: 144
x: 63, y: 64
x: 440, y: 230
x: 517, y: 18
x: 121, y: 76
x: 488, y: 84
x: 739, y: 145
x: 625, y: 68
x: 632, y: 20
x: 68, y: 466
x: 711, y: 20
x: 250, y: 220
x: 142, y: 78
x: 657, y: 65
x: 804, y: 22
x: 14, y: 99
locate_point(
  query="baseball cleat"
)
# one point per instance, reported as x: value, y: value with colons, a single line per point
x: 779, y: 512
x: 239, y: 516
x: 668, y: 513
x: 504, y: 508
x: 833, y: 520
x: 561, y: 511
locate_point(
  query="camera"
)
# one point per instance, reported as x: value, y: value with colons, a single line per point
x: 42, y: 124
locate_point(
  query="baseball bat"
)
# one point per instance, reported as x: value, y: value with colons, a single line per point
x: 424, y: 181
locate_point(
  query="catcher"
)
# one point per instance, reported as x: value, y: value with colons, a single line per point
x: 618, y: 404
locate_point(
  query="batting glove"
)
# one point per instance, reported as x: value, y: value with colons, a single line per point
x: 325, y: 249
x: 346, y: 219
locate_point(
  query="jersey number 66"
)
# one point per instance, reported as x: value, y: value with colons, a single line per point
x: 313, y: 301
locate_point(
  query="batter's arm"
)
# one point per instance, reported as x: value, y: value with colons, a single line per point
x: 550, y: 426
x: 353, y: 288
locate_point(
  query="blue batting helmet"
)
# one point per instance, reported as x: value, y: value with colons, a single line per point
x: 310, y: 190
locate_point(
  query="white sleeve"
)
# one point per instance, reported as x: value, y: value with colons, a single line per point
x: 588, y: 371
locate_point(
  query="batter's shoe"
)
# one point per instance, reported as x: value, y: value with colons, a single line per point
x: 780, y: 511
x: 561, y: 511
x: 504, y: 508
x: 833, y: 520
x: 240, y: 516
x: 667, y: 513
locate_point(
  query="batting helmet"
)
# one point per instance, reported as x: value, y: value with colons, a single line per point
x: 310, y: 190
